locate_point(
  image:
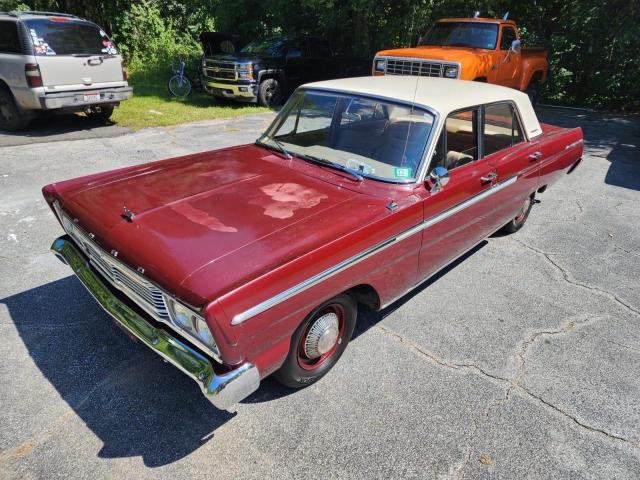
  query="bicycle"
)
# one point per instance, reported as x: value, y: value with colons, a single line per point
x: 180, y: 84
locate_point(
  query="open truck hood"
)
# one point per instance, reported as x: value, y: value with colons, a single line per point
x: 205, y: 224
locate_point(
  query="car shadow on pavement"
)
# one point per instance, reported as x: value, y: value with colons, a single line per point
x: 615, y: 137
x: 136, y: 404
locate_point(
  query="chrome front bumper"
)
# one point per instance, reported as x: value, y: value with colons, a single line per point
x: 221, y: 390
x: 228, y: 90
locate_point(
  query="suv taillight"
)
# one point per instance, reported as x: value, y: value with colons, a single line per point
x: 32, y: 73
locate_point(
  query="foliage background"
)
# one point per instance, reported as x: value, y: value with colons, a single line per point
x: 594, y: 45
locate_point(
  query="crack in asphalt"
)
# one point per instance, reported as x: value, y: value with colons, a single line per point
x: 511, y: 384
x: 568, y: 279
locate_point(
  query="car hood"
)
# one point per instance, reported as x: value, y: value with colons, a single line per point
x: 451, y: 54
x: 236, y: 57
x: 204, y: 224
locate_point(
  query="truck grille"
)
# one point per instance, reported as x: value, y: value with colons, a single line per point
x: 220, y: 70
x: 144, y: 293
x: 414, y: 67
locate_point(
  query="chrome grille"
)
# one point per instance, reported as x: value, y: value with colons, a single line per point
x: 414, y: 67
x: 220, y: 70
x: 147, y: 294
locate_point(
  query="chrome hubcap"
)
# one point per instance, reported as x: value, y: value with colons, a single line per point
x: 322, y: 335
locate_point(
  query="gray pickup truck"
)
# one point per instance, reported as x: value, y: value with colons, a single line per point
x: 57, y: 62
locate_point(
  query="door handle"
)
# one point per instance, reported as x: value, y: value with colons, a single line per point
x: 489, y: 177
x: 95, y: 61
x: 535, y: 156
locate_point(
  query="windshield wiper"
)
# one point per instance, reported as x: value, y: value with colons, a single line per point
x: 278, y: 147
x: 329, y: 163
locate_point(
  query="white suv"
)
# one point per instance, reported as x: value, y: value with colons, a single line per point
x: 53, y: 61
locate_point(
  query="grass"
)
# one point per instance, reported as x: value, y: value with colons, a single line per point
x: 152, y: 106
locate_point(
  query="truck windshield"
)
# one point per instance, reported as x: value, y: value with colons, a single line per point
x: 462, y: 34
x: 369, y: 137
x: 273, y: 47
x: 68, y: 37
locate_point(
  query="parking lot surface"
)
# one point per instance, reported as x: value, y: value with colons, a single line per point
x: 518, y: 361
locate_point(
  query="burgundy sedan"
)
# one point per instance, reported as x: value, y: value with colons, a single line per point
x: 242, y: 262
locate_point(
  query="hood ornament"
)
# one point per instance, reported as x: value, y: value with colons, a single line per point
x: 128, y: 215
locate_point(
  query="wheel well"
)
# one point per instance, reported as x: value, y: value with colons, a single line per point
x: 4, y: 86
x: 366, y: 295
x: 480, y: 79
x: 536, y: 77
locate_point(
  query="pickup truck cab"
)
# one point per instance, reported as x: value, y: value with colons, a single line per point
x: 266, y: 71
x: 241, y: 262
x: 58, y: 63
x: 481, y: 49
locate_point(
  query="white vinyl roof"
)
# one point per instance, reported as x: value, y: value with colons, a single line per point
x: 440, y: 94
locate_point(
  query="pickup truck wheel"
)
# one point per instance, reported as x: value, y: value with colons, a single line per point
x: 270, y: 93
x: 533, y: 90
x: 517, y: 223
x: 99, y: 113
x: 318, y: 342
x: 11, y: 118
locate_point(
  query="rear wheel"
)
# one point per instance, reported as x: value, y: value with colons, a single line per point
x: 99, y: 113
x: 319, y: 342
x: 533, y: 90
x: 519, y: 220
x: 11, y: 118
x: 270, y: 93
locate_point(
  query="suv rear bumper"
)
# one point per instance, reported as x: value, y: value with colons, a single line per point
x: 223, y: 390
x: 79, y: 100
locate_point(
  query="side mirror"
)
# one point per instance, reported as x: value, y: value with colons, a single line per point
x: 516, y: 46
x: 439, y: 178
x: 293, y: 54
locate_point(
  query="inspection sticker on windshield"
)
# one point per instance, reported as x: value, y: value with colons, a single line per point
x: 399, y: 172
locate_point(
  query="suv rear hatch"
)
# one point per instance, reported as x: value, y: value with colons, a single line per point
x: 74, y: 53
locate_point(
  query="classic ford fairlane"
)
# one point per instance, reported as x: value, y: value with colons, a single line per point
x: 246, y: 261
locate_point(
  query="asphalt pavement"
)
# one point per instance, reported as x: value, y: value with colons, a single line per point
x: 520, y: 360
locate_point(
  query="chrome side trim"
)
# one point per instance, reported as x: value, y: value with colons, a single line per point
x: 222, y: 390
x: 574, y: 144
x: 324, y: 275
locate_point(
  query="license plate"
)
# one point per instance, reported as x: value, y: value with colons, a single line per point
x: 91, y: 97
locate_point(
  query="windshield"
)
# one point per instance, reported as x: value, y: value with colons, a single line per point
x: 272, y: 47
x: 462, y: 34
x: 371, y: 137
x: 68, y: 37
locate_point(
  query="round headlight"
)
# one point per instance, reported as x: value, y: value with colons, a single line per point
x: 204, y: 334
x: 451, y: 72
x: 67, y: 224
x: 379, y: 65
x: 183, y: 317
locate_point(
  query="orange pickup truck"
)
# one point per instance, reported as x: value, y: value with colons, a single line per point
x: 480, y: 49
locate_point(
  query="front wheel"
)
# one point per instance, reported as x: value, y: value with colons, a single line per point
x: 270, y: 93
x: 516, y: 224
x: 319, y: 342
x: 179, y: 86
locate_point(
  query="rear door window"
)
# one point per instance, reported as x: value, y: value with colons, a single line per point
x: 501, y: 128
x: 68, y: 37
x: 9, y: 42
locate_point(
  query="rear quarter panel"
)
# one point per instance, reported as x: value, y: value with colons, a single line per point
x: 561, y: 148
